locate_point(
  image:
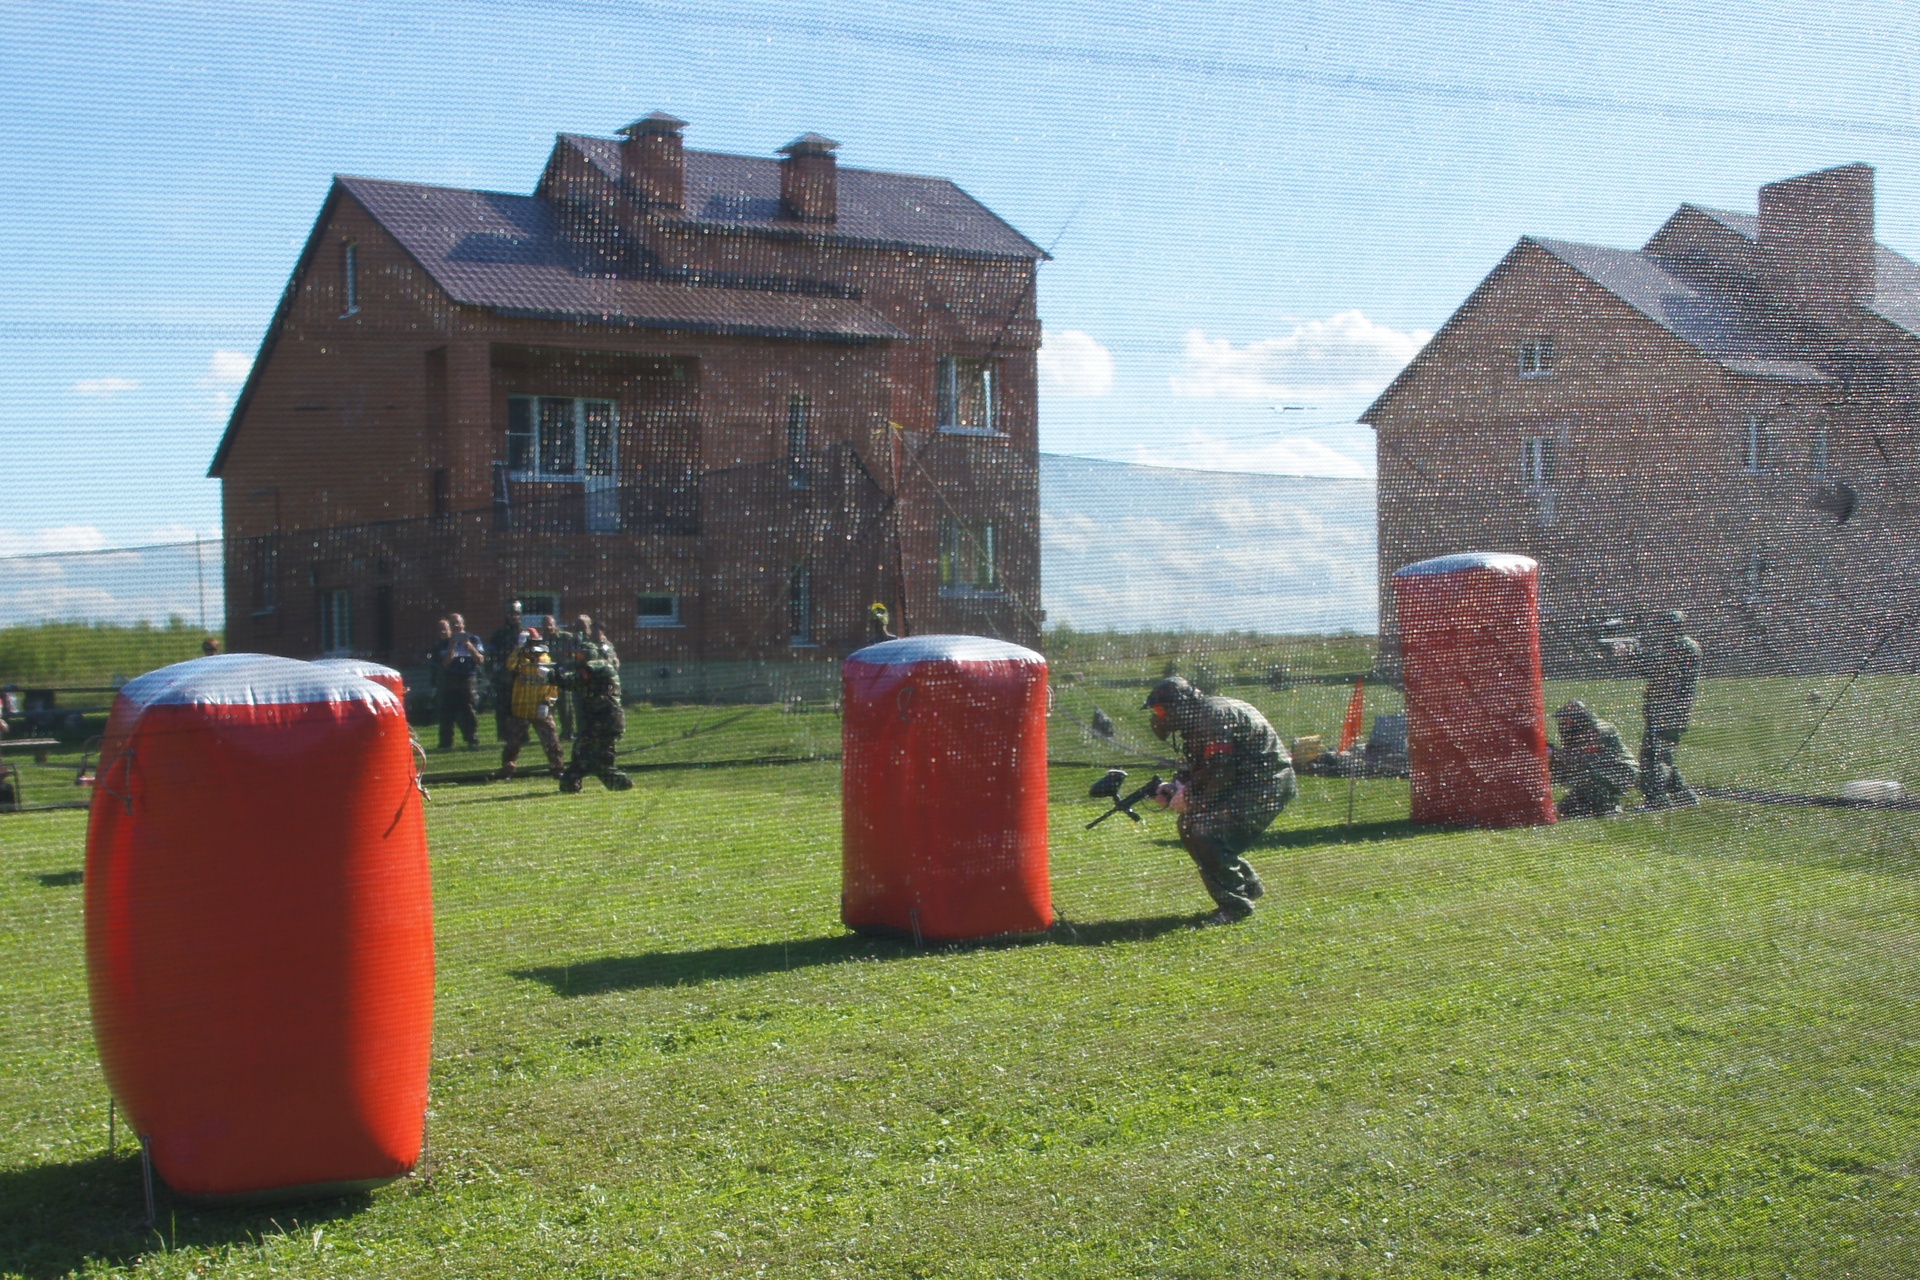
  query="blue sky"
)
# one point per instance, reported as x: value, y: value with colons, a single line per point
x: 1250, y: 205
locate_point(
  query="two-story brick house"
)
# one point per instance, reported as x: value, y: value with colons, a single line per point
x: 722, y: 402
x: 1722, y: 421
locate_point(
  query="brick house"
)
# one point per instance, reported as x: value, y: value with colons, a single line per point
x: 721, y: 402
x: 1722, y: 420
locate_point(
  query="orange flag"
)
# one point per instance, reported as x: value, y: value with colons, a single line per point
x: 1350, y: 730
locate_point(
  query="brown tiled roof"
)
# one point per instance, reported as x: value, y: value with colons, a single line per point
x: 506, y: 253
x: 1720, y: 323
x: 875, y: 207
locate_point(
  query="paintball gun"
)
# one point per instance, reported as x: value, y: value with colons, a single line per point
x: 1108, y: 788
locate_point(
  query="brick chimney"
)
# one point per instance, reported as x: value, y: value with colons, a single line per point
x: 652, y: 161
x: 1816, y: 232
x: 809, y: 179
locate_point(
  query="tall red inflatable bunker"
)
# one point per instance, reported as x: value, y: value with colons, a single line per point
x: 259, y: 924
x: 1476, y: 713
x: 944, y: 789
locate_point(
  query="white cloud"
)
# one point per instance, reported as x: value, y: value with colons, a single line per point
x: 109, y: 386
x: 227, y: 369
x: 1339, y: 360
x: 32, y: 542
x: 1073, y: 363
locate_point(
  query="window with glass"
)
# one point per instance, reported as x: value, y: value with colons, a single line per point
x: 336, y: 620
x: 800, y: 605
x: 964, y: 396
x: 1536, y: 357
x: 1536, y: 463
x: 561, y: 438
x: 658, y: 609
x: 349, y: 277
x: 1756, y: 445
x: 799, y: 441
x: 968, y: 563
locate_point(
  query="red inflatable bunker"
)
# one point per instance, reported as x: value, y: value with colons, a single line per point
x: 386, y: 677
x: 944, y: 789
x: 259, y: 924
x: 1476, y: 714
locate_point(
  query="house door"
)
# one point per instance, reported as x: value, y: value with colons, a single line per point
x: 599, y: 444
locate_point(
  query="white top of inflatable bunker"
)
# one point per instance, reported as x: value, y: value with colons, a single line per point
x: 943, y: 649
x: 1502, y: 562
x: 359, y: 667
x: 252, y: 679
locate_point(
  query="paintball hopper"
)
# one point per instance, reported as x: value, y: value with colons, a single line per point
x: 1108, y: 788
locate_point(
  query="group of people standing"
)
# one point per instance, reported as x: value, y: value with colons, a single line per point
x: 1593, y: 759
x: 538, y: 674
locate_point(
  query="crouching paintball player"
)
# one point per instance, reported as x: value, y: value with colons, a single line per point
x: 1234, y: 781
x: 594, y: 680
x: 1593, y: 762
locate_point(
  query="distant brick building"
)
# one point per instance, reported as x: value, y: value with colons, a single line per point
x: 719, y: 401
x: 1722, y: 421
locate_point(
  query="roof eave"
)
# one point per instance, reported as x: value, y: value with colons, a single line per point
x: 272, y: 336
x: 719, y: 327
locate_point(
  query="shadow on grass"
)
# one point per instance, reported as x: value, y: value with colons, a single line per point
x: 57, y: 879
x: 55, y: 1219
x: 1341, y: 833
x: 680, y: 968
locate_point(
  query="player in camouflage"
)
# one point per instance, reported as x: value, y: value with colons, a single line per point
x: 1593, y: 762
x: 1235, y: 780
x: 594, y: 679
x: 1671, y: 659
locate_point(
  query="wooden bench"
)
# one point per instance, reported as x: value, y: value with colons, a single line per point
x: 41, y: 747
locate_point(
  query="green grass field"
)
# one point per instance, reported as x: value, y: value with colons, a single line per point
x: 1676, y: 1045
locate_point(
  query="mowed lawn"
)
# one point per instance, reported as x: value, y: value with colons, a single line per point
x: 1681, y: 1044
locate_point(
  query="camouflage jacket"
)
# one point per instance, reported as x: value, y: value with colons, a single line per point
x: 597, y: 681
x: 1596, y: 754
x: 1236, y: 767
x: 1673, y: 679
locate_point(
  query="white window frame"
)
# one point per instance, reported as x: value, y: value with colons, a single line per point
x: 1758, y: 445
x: 350, y: 277
x: 799, y: 442
x: 671, y: 618
x: 800, y: 607
x: 1537, y: 462
x: 1537, y: 357
x: 585, y: 466
x: 336, y: 621
x: 951, y: 405
x: 966, y: 546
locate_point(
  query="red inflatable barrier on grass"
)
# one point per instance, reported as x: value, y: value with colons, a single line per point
x: 386, y: 677
x: 259, y: 924
x: 944, y: 789
x: 1476, y: 713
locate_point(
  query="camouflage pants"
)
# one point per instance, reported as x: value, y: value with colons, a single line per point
x: 517, y: 730
x: 1660, y: 779
x: 593, y: 751
x: 1230, y: 879
x: 1216, y: 842
x: 1590, y: 798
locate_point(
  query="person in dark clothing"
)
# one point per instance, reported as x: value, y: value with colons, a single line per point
x: 500, y: 646
x: 457, y: 662
x: 1593, y: 761
x: 1236, y: 778
x: 1671, y: 659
